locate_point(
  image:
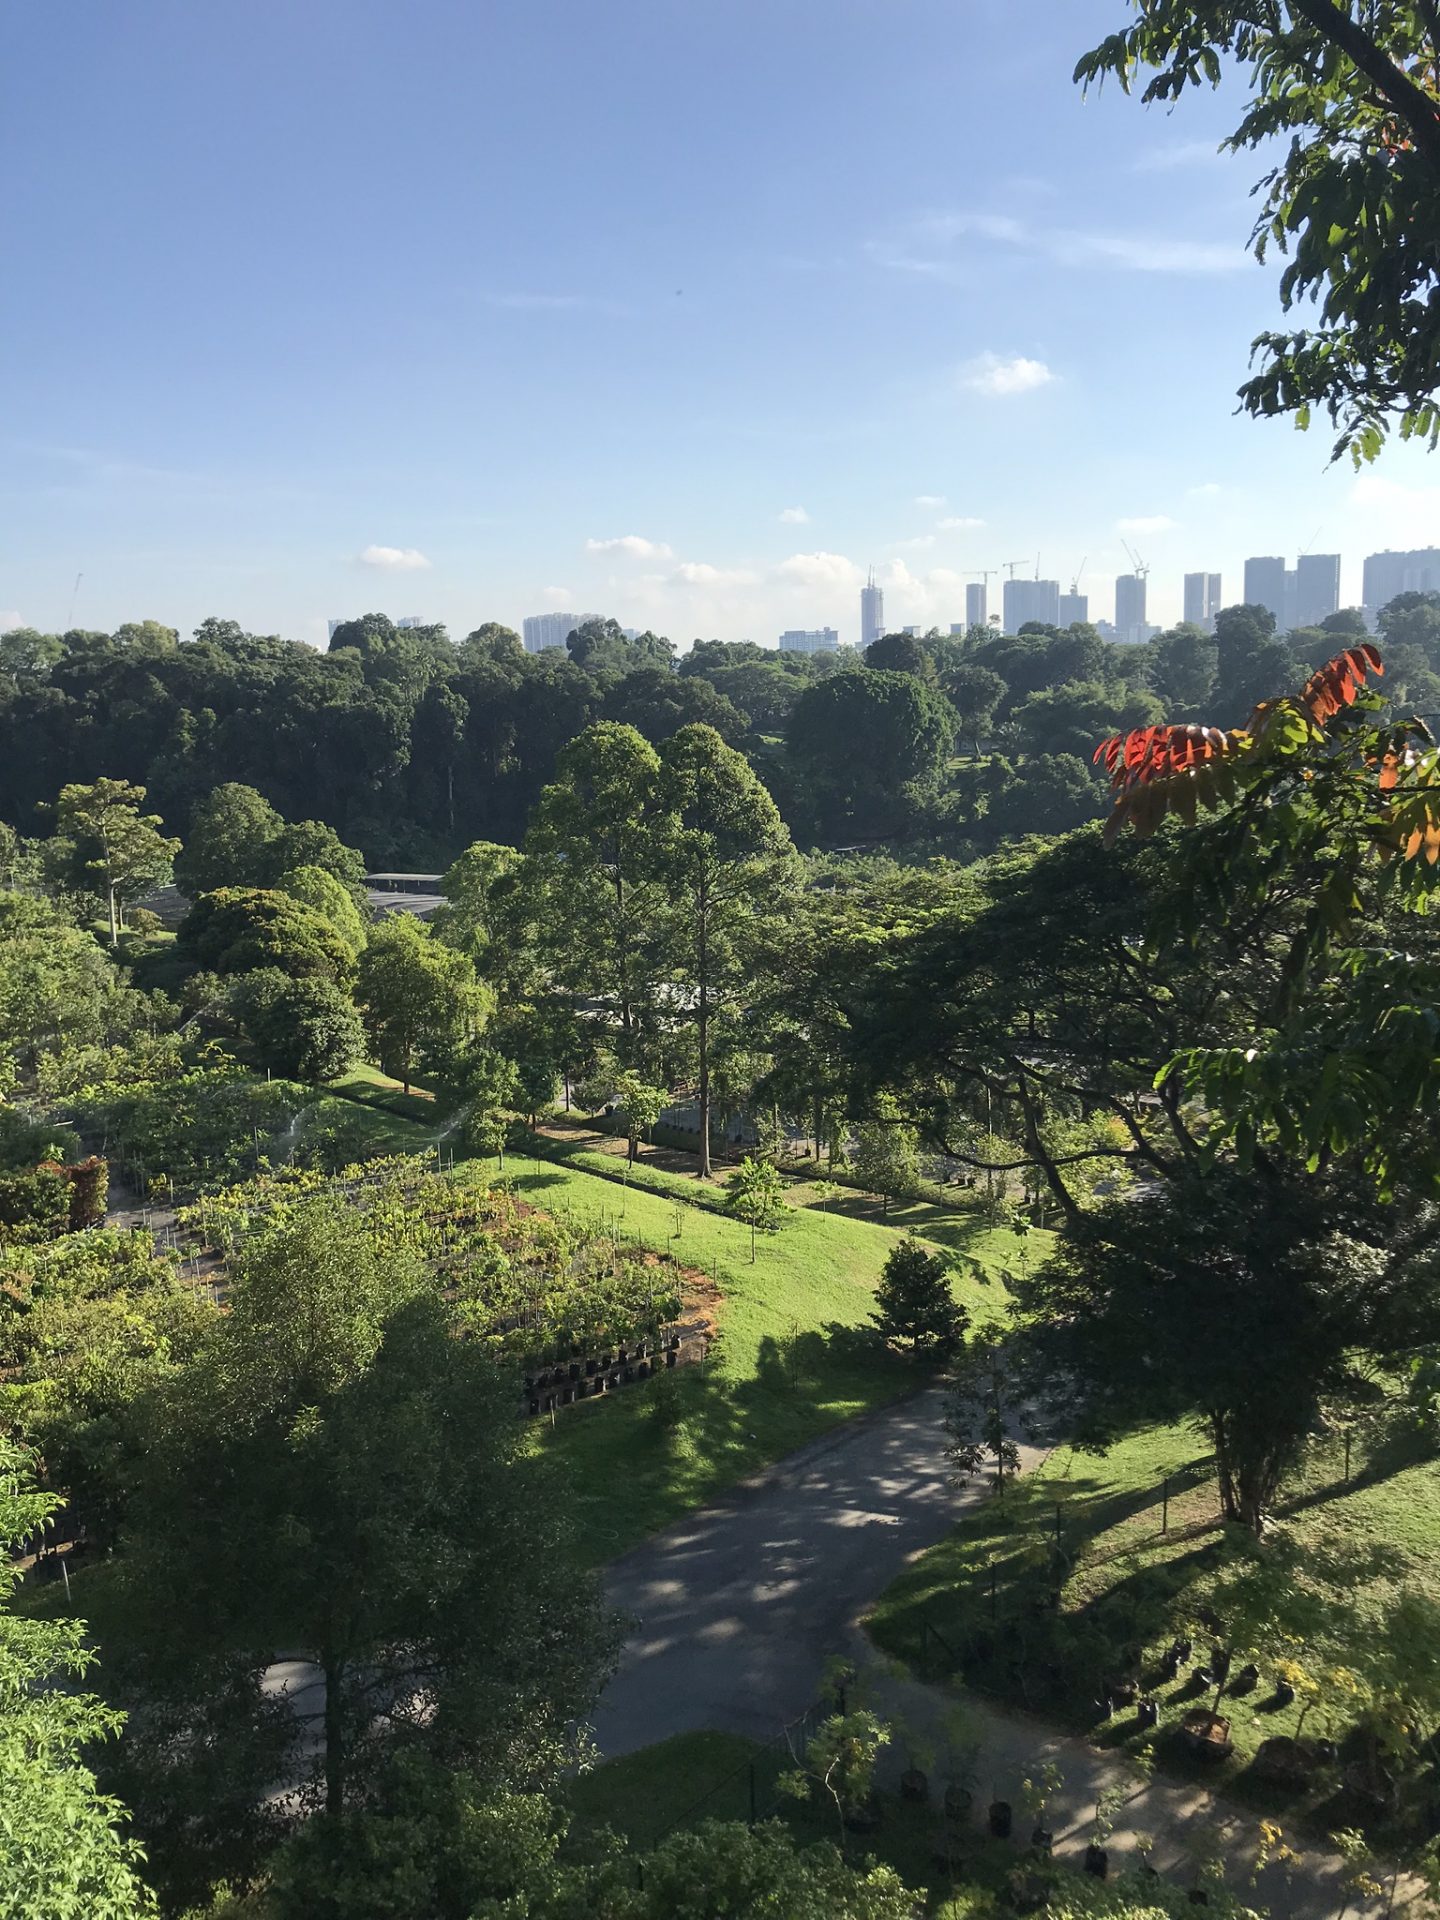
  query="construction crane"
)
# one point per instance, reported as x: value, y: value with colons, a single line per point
x: 986, y: 574
x: 1012, y: 565
x: 1079, y: 576
x: 1139, y: 567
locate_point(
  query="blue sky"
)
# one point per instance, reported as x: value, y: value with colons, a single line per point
x: 683, y: 312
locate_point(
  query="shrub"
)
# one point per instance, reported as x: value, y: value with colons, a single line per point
x: 914, y: 1301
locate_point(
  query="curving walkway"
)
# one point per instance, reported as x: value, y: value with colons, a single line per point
x: 737, y: 1608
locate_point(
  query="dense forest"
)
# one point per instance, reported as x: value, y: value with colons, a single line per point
x: 412, y: 745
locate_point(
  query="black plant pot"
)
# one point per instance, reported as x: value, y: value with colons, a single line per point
x: 1001, y: 1819
x: 1042, y: 1840
x: 1326, y: 1752
x: 1199, y: 1897
x: 1147, y: 1713
x: 914, y: 1786
x: 1182, y: 1649
x: 958, y: 1802
x: 1247, y: 1679
x: 1284, y: 1693
x: 1097, y: 1860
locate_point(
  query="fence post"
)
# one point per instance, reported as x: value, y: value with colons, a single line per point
x: 1165, y: 1506
x: 1347, y: 1456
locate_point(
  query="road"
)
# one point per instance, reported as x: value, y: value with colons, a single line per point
x: 738, y: 1607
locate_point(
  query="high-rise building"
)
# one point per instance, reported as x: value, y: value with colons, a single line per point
x: 541, y: 631
x: 1316, y: 590
x: 977, y: 610
x: 872, y: 611
x: 408, y: 622
x: 1074, y: 609
x: 1202, y: 600
x: 1031, y: 600
x: 1130, y: 622
x: 1265, y: 585
x: 1391, y: 573
x: 810, y: 640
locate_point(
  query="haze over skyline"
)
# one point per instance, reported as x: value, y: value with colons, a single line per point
x: 688, y: 316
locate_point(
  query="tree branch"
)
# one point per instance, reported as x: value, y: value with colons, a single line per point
x: 1414, y: 106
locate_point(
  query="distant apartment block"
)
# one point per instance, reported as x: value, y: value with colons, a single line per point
x: 1390, y: 573
x: 810, y: 640
x: 1316, y: 589
x: 1298, y: 596
x: 1202, y: 600
x: 1130, y: 622
x: 545, y: 630
x: 977, y: 605
x: 1074, y: 610
x: 1031, y: 600
x: 872, y: 611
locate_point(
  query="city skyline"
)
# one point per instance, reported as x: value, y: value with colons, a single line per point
x: 765, y: 362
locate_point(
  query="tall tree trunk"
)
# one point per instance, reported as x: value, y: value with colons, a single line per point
x: 702, y: 972
x: 114, y: 917
x: 334, y: 1737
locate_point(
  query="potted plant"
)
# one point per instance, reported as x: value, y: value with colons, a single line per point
x: 839, y: 1764
x: 919, y: 1758
x: 1035, y: 1795
x: 1206, y: 1734
x: 1097, y: 1854
x: 961, y: 1752
x: 1147, y: 1713
x: 1145, y: 1846
x: 1001, y: 1816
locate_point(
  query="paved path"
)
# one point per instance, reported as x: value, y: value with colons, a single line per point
x: 739, y: 1606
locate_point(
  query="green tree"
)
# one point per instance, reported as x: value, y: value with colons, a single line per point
x: 907, y: 729
x: 594, y: 843
x: 1350, y: 96
x: 479, y: 915
x: 755, y: 1193
x: 238, y: 929
x: 729, y: 867
x: 57, y: 989
x: 1184, y: 664
x: 975, y: 692
x: 313, y: 887
x: 63, y: 1850
x: 884, y: 1156
x: 1257, y: 1300
x: 420, y: 999
x: 104, y: 837
x: 915, y: 1300
x: 303, y: 1029
x: 383, y: 1517
x: 900, y: 653
x: 642, y: 1104
x: 232, y: 834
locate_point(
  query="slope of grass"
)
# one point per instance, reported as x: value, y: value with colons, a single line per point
x: 796, y: 1354
x: 1322, y: 1591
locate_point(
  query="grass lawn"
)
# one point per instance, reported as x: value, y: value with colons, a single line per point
x: 795, y: 1355
x: 1324, y: 1591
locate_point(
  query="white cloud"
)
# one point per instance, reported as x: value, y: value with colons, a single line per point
x: 1146, y: 523
x: 1206, y: 490
x: 794, y: 517
x: 819, y: 570
x: 9, y: 620
x: 931, y: 500
x: 988, y: 373
x: 393, y: 559
x: 557, y: 596
x: 959, y: 523
x: 1403, y: 516
x: 632, y: 543
x: 698, y: 573
x: 1148, y: 253
x: 918, y: 544
x: 1182, y: 153
x: 934, y: 245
